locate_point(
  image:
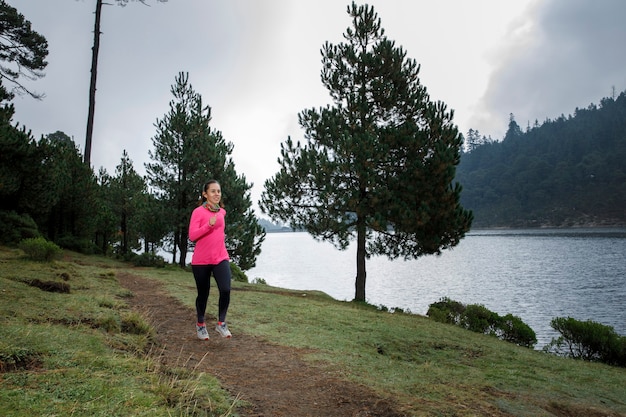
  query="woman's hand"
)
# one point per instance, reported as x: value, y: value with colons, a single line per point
x: 212, y: 220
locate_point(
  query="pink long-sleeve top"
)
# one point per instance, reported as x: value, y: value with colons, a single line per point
x: 210, y: 240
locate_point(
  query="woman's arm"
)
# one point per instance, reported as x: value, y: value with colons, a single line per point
x: 199, y: 225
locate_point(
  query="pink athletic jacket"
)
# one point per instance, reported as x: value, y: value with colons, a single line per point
x: 210, y: 247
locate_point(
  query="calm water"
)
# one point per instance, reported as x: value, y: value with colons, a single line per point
x: 534, y: 274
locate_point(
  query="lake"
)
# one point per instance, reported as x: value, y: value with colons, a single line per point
x: 535, y: 274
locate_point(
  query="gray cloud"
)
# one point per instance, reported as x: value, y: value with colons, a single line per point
x: 565, y: 54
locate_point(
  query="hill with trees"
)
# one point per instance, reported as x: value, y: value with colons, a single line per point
x: 563, y: 173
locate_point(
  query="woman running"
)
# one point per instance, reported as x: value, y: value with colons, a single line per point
x: 206, y: 229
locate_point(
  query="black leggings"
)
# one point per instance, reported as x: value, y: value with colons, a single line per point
x: 202, y: 275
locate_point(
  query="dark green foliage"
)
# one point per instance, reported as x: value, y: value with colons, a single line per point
x: 479, y: 319
x: 46, y: 182
x: 377, y: 166
x: 23, y: 51
x: 565, y: 172
x: 512, y: 329
x: 20, y: 166
x: 237, y: 274
x: 127, y: 194
x: 78, y: 244
x: 15, y: 227
x: 71, y: 192
x: 446, y: 311
x: 587, y: 340
x: 40, y: 249
x: 152, y: 224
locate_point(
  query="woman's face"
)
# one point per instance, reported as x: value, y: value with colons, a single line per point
x: 213, y: 194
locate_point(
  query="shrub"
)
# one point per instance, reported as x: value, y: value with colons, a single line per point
x: 40, y: 249
x: 587, y: 340
x: 16, y: 227
x: 446, y: 311
x: 512, y: 329
x: 480, y: 319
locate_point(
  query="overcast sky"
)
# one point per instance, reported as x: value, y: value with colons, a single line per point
x: 256, y: 63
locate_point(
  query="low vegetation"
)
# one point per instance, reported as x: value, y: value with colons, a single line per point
x: 40, y: 249
x: 478, y: 318
x: 84, y: 352
x: 587, y: 340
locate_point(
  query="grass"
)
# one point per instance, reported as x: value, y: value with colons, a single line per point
x: 85, y: 353
x: 95, y: 348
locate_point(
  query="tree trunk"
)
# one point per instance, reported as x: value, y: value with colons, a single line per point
x: 175, y: 248
x: 124, y: 234
x: 183, y: 256
x: 359, y: 294
x: 92, y: 85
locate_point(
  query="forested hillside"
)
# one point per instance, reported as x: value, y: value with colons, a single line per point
x: 565, y: 172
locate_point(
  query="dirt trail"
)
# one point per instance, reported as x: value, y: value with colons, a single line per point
x: 274, y: 380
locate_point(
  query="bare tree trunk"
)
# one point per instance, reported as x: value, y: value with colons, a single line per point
x: 92, y: 85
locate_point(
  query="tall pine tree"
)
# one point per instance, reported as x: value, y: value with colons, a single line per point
x: 378, y: 165
x: 128, y: 190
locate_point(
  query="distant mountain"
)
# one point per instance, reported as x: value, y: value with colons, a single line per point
x: 565, y: 172
x: 270, y: 227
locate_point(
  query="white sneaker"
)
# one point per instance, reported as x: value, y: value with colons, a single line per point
x: 222, y: 329
x: 202, y: 333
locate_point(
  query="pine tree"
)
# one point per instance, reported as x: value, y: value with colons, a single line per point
x: 513, y: 131
x: 23, y: 51
x: 187, y: 153
x: 71, y: 194
x: 128, y: 190
x: 377, y: 166
x: 106, y: 220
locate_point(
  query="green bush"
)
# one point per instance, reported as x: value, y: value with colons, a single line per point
x: 446, y: 311
x: 479, y: 319
x: 512, y: 329
x: 587, y: 340
x: 40, y: 249
x: 16, y: 227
